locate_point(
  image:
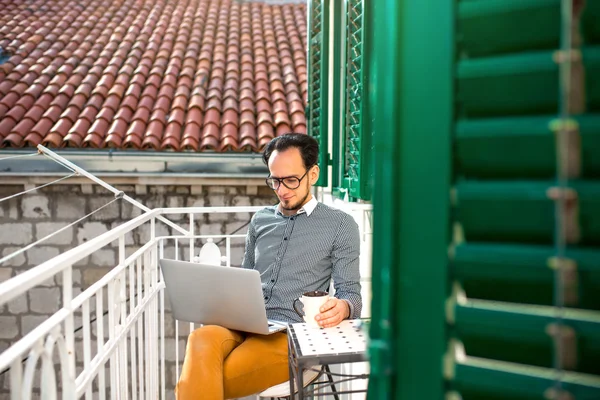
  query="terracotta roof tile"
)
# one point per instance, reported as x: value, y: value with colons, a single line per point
x: 179, y: 76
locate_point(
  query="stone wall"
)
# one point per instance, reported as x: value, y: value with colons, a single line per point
x: 30, y: 217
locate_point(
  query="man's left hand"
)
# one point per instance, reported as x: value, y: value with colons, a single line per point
x: 333, y: 312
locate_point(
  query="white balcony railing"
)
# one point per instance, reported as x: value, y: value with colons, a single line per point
x: 109, y: 341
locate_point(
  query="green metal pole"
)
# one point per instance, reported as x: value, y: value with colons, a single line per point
x: 324, y: 93
x: 362, y: 189
x: 411, y: 92
x: 338, y: 98
x: 382, y: 102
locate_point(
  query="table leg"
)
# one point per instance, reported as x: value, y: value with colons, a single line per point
x: 330, y: 378
x: 300, y: 372
x: 290, y: 368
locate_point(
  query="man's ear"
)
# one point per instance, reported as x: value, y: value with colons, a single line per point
x: 314, y: 174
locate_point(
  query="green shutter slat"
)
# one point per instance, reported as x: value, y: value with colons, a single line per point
x: 590, y: 28
x: 522, y: 211
x: 589, y: 126
x: 520, y: 84
x: 591, y: 62
x: 318, y: 81
x: 501, y: 331
x: 508, y: 85
x: 506, y: 147
x: 522, y: 147
x: 482, y: 379
x: 589, y: 211
x: 505, y: 211
x: 489, y: 27
x: 523, y: 274
x: 496, y: 26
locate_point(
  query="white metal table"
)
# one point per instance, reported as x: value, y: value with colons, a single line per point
x: 311, y: 346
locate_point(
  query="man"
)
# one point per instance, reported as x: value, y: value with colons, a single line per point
x: 297, y: 246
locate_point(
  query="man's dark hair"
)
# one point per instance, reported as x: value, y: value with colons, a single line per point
x: 307, y: 145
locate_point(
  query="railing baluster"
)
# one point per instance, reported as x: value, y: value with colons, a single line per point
x: 123, y: 375
x: 140, y: 333
x: 154, y: 327
x: 100, y: 341
x: 228, y: 250
x: 134, y: 390
x: 111, y: 337
x: 192, y: 233
x: 147, y: 326
x: 122, y: 249
x: 176, y: 350
x: 162, y: 329
x: 67, y: 276
x: 122, y: 349
x: 87, y: 356
x: 16, y: 380
x: 162, y: 344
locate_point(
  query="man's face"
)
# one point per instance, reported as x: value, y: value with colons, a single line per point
x: 288, y: 163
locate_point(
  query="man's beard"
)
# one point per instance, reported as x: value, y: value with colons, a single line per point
x: 298, y: 204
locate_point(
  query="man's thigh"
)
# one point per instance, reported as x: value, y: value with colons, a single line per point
x: 260, y: 362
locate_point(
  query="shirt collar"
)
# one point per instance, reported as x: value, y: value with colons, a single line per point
x: 308, y: 208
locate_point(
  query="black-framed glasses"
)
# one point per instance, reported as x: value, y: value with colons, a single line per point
x: 290, y: 182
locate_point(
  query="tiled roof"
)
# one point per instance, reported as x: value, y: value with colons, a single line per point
x: 181, y: 75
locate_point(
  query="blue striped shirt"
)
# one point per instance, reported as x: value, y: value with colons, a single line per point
x: 304, y: 252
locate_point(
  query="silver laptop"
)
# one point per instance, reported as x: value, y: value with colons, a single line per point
x: 212, y: 295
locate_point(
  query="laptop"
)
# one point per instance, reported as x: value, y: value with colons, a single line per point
x: 216, y: 295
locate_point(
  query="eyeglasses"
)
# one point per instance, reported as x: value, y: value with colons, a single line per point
x: 290, y: 182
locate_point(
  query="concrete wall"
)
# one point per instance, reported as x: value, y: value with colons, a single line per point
x: 30, y: 217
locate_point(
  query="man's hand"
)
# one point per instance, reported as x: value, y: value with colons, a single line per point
x: 333, y: 312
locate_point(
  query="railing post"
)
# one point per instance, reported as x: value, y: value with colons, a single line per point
x: 67, y: 276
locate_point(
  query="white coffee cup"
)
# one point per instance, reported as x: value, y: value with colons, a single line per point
x: 312, y: 302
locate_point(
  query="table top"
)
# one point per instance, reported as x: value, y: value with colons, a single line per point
x: 346, y: 342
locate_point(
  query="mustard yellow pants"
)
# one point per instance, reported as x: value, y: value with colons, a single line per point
x: 224, y: 364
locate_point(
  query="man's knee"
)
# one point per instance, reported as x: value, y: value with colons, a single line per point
x: 209, y: 336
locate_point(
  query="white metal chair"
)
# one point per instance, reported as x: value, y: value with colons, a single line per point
x: 282, y: 391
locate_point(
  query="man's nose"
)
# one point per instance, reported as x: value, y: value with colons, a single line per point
x: 281, y: 190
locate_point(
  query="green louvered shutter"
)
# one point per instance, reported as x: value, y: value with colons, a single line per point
x: 524, y: 313
x: 318, y: 73
x: 352, y: 170
x: 511, y: 308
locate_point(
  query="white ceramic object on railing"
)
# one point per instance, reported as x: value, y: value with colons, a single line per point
x: 210, y: 254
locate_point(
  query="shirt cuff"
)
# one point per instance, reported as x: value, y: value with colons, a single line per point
x: 350, y: 308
